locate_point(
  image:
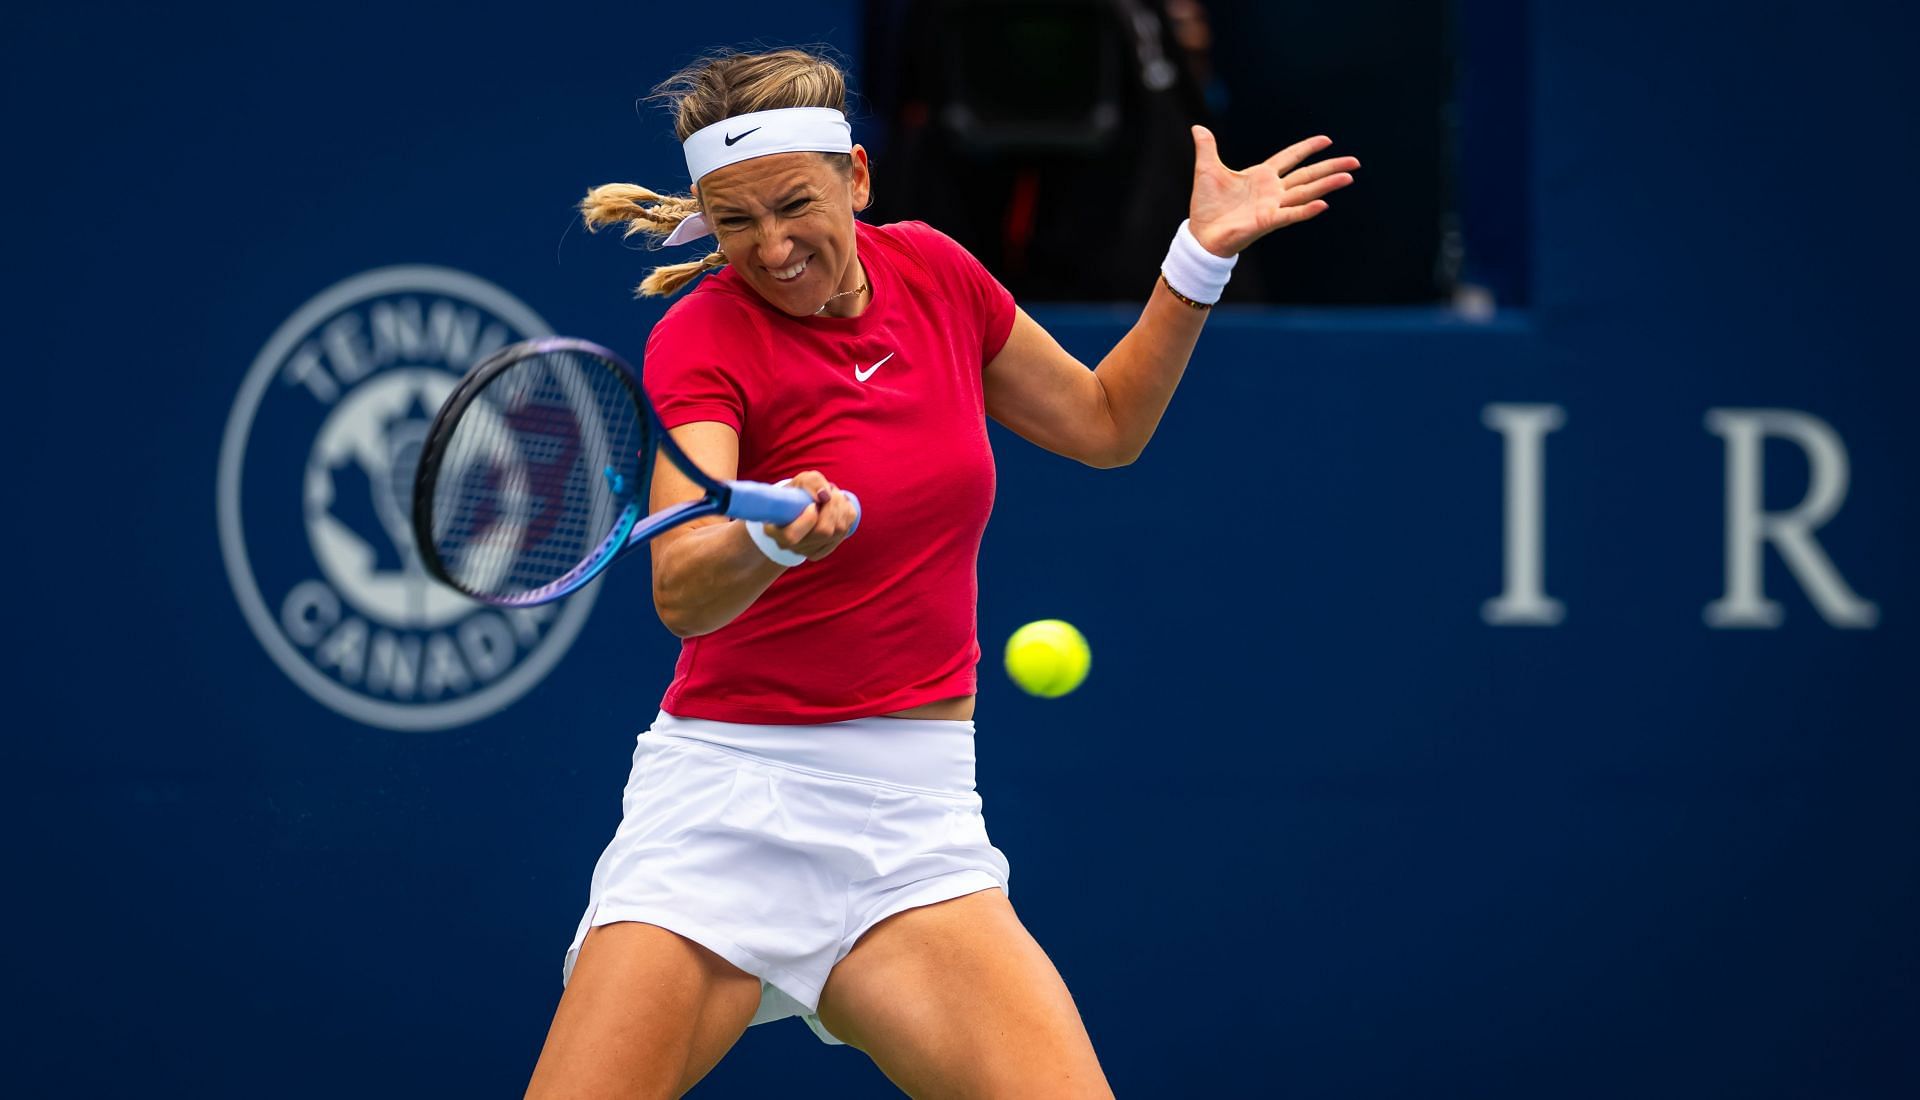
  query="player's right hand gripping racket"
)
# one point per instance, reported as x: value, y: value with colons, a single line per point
x: 534, y: 475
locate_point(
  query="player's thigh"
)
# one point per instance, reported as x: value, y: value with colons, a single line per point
x: 957, y: 1000
x: 646, y: 1013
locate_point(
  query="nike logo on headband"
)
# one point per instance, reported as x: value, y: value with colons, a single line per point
x: 731, y: 138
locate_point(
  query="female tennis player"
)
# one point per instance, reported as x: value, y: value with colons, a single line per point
x: 801, y: 835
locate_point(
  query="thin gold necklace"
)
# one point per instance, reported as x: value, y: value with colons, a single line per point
x: 861, y: 289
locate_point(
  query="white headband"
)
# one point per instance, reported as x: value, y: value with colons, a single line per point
x: 759, y: 134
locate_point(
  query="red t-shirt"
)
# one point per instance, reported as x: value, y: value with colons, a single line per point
x: 889, y: 405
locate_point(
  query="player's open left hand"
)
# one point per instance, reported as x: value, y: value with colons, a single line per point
x: 824, y: 525
x: 1230, y: 210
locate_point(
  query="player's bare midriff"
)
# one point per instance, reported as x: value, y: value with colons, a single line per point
x: 957, y: 709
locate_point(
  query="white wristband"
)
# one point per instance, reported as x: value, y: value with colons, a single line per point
x: 1193, y: 271
x: 773, y: 550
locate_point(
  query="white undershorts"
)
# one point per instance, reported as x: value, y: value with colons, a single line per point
x: 777, y: 847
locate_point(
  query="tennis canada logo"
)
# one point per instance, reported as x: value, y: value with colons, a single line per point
x: 315, y: 505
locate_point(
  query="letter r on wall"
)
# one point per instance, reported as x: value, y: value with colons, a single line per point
x: 1749, y: 527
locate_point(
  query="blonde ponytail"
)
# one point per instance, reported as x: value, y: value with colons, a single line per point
x: 611, y: 203
x: 667, y: 280
x: 718, y: 86
x: 657, y: 215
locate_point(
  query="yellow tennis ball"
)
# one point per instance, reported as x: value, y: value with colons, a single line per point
x: 1048, y: 658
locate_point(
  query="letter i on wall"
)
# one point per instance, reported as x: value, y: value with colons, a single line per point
x: 1523, y: 600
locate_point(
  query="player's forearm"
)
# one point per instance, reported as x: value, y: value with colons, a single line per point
x: 1139, y: 375
x: 707, y: 576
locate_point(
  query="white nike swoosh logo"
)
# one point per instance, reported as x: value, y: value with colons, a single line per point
x: 863, y: 375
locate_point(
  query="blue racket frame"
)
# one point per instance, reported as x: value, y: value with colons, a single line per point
x: 753, y: 501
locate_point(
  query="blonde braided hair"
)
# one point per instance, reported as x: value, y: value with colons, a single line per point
x: 714, y: 88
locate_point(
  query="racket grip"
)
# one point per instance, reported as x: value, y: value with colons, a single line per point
x: 782, y: 504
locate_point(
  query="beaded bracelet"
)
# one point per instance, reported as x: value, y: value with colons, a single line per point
x: 1195, y: 275
x: 1184, y: 300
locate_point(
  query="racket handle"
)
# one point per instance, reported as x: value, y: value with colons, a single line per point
x: 782, y: 504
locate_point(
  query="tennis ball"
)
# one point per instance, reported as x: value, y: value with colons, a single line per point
x: 1048, y: 658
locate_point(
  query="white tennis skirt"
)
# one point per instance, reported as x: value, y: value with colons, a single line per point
x: 777, y: 847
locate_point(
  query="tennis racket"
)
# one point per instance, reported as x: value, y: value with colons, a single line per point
x: 535, y: 473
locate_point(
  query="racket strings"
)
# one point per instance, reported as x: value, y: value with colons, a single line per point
x: 536, y: 474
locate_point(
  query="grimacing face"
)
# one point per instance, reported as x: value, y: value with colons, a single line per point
x: 785, y: 222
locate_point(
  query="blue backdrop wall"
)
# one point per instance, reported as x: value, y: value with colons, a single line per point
x: 1319, y: 823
